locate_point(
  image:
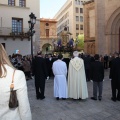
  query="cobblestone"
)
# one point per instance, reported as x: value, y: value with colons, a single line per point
x: 51, y: 109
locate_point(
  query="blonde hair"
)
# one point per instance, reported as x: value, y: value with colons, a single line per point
x: 4, y: 60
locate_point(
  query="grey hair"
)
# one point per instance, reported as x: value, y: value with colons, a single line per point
x: 75, y: 53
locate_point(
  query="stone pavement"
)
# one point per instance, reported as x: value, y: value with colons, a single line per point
x: 51, y: 109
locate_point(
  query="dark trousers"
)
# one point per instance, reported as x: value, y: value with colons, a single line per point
x: 115, y: 90
x: 105, y: 64
x: 40, y: 88
x: 97, y: 88
x: 50, y: 72
x: 87, y: 73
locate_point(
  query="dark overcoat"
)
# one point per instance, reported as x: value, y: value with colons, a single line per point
x: 115, y: 72
x: 97, y: 71
x: 39, y: 70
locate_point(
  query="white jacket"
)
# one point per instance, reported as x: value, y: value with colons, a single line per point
x: 23, y: 111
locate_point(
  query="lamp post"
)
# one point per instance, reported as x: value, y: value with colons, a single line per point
x: 31, y: 23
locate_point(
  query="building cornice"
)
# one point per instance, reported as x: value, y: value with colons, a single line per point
x: 14, y: 6
x: 48, y: 20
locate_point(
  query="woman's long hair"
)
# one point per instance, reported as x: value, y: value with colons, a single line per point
x: 4, y: 60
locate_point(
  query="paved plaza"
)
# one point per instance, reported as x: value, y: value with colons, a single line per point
x: 51, y: 109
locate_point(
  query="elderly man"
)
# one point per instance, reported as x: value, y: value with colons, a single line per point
x: 77, y: 87
x: 60, y: 84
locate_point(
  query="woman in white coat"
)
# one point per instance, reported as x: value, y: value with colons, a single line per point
x: 22, y: 112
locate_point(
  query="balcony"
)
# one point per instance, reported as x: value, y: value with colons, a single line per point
x: 6, y: 32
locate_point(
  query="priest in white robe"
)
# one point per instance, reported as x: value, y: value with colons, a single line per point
x: 60, y: 84
x: 77, y: 86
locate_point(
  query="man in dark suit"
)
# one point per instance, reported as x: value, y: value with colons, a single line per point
x: 40, y: 72
x: 115, y: 77
x: 49, y: 63
x: 66, y: 60
x: 106, y: 61
x: 97, y: 75
x: 87, y: 64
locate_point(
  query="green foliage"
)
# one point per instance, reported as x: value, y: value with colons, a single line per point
x: 80, y: 40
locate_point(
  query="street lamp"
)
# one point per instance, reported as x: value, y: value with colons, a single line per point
x: 31, y: 23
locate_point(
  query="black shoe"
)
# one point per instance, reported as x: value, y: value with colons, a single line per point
x: 37, y: 97
x: 79, y: 99
x: 113, y: 99
x: 57, y: 98
x: 63, y: 98
x: 118, y: 99
x: 100, y: 99
x: 42, y: 97
x: 93, y: 98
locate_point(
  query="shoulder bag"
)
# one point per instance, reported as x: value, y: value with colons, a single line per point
x: 13, y: 101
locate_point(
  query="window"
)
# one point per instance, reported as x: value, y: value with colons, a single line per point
x: 47, y: 24
x: 77, y: 18
x: 77, y: 10
x: 81, y: 18
x: 81, y: 27
x: 81, y: 2
x: 81, y: 10
x: 11, y: 2
x: 77, y: 34
x: 22, y: 3
x: 17, y: 25
x: 77, y: 26
x: 47, y: 32
x: 76, y: 2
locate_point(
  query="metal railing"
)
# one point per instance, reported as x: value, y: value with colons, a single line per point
x: 7, y: 31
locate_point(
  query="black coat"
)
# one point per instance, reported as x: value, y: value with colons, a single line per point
x: 97, y: 71
x: 39, y: 69
x: 49, y: 63
x: 87, y: 62
x: 66, y: 60
x: 115, y: 71
x: 106, y: 58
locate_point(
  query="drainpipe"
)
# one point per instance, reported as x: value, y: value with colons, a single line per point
x: 1, y: 21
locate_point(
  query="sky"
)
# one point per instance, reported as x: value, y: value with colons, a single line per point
x: 48, y: 8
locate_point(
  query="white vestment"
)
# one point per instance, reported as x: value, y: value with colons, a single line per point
x: 77, y: 86
x: 60, y: 84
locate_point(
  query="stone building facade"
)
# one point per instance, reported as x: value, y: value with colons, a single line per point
x: 71, y: 16
x: 48, y: 34
x: 102, y: 26
x: 14, y: 17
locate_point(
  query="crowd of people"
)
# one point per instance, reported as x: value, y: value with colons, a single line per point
x: 71, y: 75
x: 70, y: 78
x: 22, y: 63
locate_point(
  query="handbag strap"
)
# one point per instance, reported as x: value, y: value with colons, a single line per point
x: 12, y: 83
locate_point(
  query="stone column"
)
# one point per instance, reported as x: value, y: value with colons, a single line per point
x: 100, y: 27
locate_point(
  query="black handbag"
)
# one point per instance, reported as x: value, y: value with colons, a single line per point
x: 13, y: 101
